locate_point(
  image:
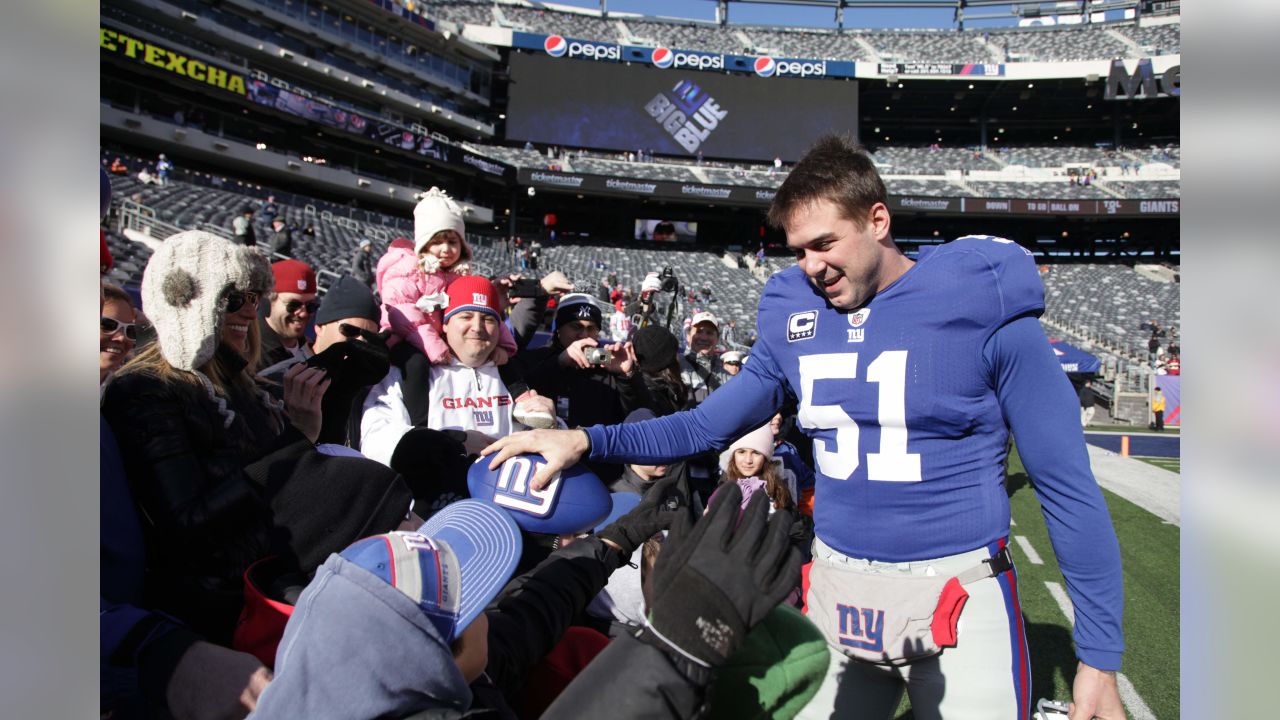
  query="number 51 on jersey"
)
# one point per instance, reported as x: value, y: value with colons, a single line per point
x: 889, y: 371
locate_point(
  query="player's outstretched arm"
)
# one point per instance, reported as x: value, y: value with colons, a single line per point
x: 561, y: 448
x: 1095, y: 694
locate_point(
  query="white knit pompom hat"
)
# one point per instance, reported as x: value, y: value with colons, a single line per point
x: 182, y: 289
x: 437, y: 211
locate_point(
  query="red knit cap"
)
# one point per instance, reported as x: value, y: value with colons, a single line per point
x: 471, y: 292
x: 294, y: 276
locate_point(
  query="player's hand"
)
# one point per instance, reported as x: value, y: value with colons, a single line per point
x: 211, y: 681
x: 574, y: 355
x: 561, y: 448
x: 1095, y: 694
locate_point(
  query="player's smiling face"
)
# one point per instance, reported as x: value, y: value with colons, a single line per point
x: 844, y: 261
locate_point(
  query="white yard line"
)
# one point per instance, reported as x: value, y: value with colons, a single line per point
x: 1027, y: 550
x: 1133, y: 702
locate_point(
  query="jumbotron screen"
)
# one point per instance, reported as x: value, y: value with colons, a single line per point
x: 586, y: 104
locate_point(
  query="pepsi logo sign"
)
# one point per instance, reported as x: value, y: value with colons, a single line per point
x: 764, y: 66
x: 662, y: 57
x: 558, y: 46
x: 555, y: 45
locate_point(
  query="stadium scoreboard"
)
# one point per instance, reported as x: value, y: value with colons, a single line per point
x: 611, y: 106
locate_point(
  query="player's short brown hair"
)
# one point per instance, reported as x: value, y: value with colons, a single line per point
x: 837, y: 169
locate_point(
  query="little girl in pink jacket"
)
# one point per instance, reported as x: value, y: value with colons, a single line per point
x: 412, y: 278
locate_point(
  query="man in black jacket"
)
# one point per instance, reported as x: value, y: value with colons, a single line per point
x: 587, y: 390
x: 362, y: 263
x: 281, y: 237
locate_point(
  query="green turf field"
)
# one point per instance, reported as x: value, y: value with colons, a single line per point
x: 1170, y: 464
x: 1134, y: 429
x: 1149, y: 552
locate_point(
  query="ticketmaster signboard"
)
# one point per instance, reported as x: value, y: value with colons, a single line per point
x: 734, y: 195
x: 1022, y: 206
x: 558, y: 46
x: 921, y: 68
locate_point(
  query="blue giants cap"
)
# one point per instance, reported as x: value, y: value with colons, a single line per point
x: 452, y: 567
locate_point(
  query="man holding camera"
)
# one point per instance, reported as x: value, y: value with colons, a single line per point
x: 589, y: 382
x: 700, y: 366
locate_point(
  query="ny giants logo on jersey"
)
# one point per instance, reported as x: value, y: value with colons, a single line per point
x: 861, y: 627
x: 482, y: 418
x: 802, y: 325
x: 857, y: 333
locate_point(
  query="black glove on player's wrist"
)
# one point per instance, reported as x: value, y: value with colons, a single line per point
x: 659, y: 508
x: 717, y: 578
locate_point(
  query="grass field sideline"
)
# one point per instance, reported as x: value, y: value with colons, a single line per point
x: 1149, y: 553
x: 1170, y: 464
x: 1135, y: 429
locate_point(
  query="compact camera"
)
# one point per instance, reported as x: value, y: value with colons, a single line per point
x: 598, y: 355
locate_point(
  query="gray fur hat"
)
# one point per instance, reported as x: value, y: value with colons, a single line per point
x: 182, y: 292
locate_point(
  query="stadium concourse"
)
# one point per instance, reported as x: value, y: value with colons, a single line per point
x: 267, y: 408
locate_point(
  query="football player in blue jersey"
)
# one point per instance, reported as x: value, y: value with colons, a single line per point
x: 910, y: 376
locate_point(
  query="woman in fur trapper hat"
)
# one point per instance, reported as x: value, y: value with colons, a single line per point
x: 204, y: 447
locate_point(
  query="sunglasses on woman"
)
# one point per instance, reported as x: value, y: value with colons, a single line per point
x: 236, y: 299
x: 110, y: 326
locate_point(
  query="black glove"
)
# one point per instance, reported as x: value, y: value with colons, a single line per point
x: 663, y: 503
x: 715, y: 581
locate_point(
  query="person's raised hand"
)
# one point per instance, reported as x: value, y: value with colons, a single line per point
x: 304, y: 389
x: 211, y: 682
x: 575, y: 354
x: 560, y: 448
x: 1095, y: 694
x: 503, y: 285
x: 534, y: 411
x: 662, y: 504
x: 718, y: 577
x: 556, y: 283
x: 622, y: 358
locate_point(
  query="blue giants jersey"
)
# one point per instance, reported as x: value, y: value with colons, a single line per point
x: 909, y: 440
x: 910, y: 401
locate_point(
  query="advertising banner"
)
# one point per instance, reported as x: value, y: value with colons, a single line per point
x: 1171, y: 386
x: 162, y: 58
x: 662, y: 57
x: 737, y: 195
x: 261, y: 88
x: 946, y: 69
x: 1073, y: 359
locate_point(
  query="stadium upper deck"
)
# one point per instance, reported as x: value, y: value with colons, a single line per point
x: 1040, y: 44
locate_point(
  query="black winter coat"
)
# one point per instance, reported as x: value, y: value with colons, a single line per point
x: 205, y: 517
x: 282, y: 241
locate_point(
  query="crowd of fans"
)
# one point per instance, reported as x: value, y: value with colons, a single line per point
x: 972, y: 46
x: 286, y: 522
